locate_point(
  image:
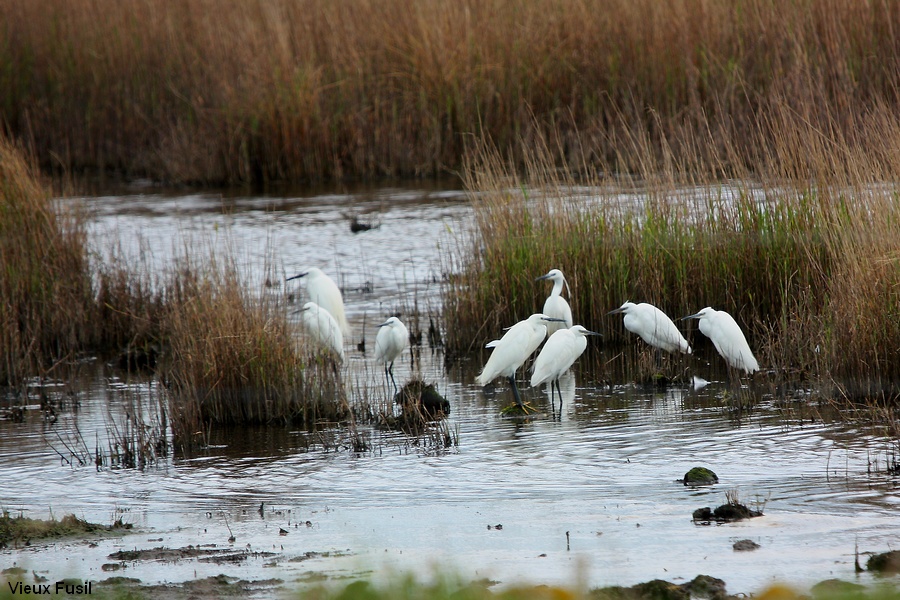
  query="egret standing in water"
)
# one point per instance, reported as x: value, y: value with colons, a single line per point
x: 557, y: 355
x: 392, y: 338
x: 555, y: 305
x: 510, y: 351
x: 322, y: 326
x: 324, y: 291
x: 727, y: 337
x: 653, y: 326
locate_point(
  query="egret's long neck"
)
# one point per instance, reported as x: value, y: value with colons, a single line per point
x: 557, y: 286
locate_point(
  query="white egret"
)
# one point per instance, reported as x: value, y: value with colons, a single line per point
x: 727, y: 337
x: 555, y: 305
x: 510, y: 351
x: 324, y: 291
x: 653, y: 326
x: 557, y: 355
x: 323, y: 327
x: 392, y: 338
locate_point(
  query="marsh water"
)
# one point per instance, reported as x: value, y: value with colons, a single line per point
x: 587, y: 495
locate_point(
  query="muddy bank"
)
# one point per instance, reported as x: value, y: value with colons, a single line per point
x: 21, y: 531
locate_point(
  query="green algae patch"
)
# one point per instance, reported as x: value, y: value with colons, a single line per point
x: 700, y: 476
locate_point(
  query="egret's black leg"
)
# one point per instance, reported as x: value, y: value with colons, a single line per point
x: 391, y: 373
x: 559, y: 393
x: 512, y: 382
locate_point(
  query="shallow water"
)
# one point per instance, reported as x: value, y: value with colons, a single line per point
x: 588, y: 495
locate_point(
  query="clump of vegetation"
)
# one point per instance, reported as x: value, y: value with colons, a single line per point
x: 885, y: 562
x: 732, y: 510
x: 236, y: 359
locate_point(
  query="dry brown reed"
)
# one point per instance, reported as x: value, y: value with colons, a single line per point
x: 236, y: 359
x: 45, y: 288
x: 228, y: 90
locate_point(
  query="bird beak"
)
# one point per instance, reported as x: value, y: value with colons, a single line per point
x: 553, y: 319
x: 694, y: 316
x: 547, y: 276
x: 616, y: 311
x: 385, y: 323
x: 593, y: 333
x: 304, y: 274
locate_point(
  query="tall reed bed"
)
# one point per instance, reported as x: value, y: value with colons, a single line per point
x: 809, y: 269
x: 45, y: 288
x: 226, y: 90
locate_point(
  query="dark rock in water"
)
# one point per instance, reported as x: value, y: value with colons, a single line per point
x: 726, y: 513
x: 703, y: 514
x: 700, y: 476
x: 734, y: 512
x: 421, y: 398
x: 745, y: 545
x: 886, y: 562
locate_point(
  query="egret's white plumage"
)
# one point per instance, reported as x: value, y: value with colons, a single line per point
x: 653, y: 326
x: 727, y: 337
x: 510, y: 351
x: 555, y: 305
x: 392, y: 338
x: 324, y: 291
x: 323, y: 327
x: 558, y: 354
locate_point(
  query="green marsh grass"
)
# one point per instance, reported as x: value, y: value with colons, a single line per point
x: 226, y: 91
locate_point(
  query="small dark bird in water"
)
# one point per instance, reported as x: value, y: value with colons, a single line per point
x: 356, y: 225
